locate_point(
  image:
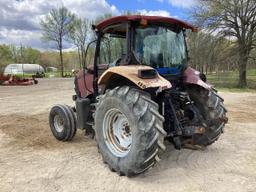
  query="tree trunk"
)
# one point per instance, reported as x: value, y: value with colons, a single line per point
x: 61, y: 63
x: 243, y: 59
x: 109, y: 52
x: 61, y: 58
x: 79, y: 57
x: 83, y: 57
x: 202, y: 69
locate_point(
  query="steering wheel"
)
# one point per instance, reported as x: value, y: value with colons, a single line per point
x: 115, y: 63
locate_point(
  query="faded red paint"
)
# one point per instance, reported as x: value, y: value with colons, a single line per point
x: 191, y: 76
x: 13, y: 80
x: 85, y: 83
x: 149, y: 19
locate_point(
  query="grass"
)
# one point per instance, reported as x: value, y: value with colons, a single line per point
x: 47, y: 75
x: 237, y: 90
x: 228, y: 81
x: 224, y: 81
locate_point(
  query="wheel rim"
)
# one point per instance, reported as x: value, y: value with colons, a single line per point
x: 117, y: 133
x: 58, y: 123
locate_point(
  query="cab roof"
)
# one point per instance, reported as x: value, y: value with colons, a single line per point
x: 148, y: 19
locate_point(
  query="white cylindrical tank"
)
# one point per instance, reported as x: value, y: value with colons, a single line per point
x: 23, y: 68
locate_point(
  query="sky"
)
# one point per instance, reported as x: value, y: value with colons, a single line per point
x: 19, y: 19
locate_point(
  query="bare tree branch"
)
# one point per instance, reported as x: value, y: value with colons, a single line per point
x: 56, y: 26
x: 235, y: 18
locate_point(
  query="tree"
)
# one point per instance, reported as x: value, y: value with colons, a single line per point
x: 102, y: 18
x: 49, y: 59
x: 5, y: 56
x: 210, y: 53
x: 31, y: 55
x: 233, y: 18
x: 56, y: 26
x: 79, y: 36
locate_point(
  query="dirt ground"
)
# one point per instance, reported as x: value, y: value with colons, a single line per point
x: 32, y: 160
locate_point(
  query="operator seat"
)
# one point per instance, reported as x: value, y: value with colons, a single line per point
x: 156, y: 61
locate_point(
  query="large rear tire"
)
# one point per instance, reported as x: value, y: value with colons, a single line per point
x: 211, y: 108
x: 129, y: 130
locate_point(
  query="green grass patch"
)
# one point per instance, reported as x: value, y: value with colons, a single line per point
x: 26, y: 75
x: 47, y: 75
x: 237, y: 90
x: 229, y: 80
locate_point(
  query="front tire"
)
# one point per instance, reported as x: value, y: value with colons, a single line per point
x: 62, y: 122
x: 129, y: 130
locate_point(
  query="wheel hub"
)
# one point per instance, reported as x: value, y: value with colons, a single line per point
x: 58, y: 123
x: 117, y: 132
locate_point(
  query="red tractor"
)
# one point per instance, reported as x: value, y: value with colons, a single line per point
x: 140, y: 93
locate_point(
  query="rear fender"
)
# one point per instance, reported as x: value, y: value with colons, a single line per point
x: 192, y: 76
x: 130, y: 72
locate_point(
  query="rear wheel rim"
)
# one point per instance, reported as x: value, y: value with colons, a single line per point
x: 58, y: 123
x: 117, y: 133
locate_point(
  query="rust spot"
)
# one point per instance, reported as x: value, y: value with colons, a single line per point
x: 199, y: 130
x: 225, y: 119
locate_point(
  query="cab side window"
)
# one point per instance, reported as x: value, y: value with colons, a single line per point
x: 112, y: 50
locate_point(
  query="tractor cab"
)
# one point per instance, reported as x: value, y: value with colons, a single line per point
x: 157, y: 42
